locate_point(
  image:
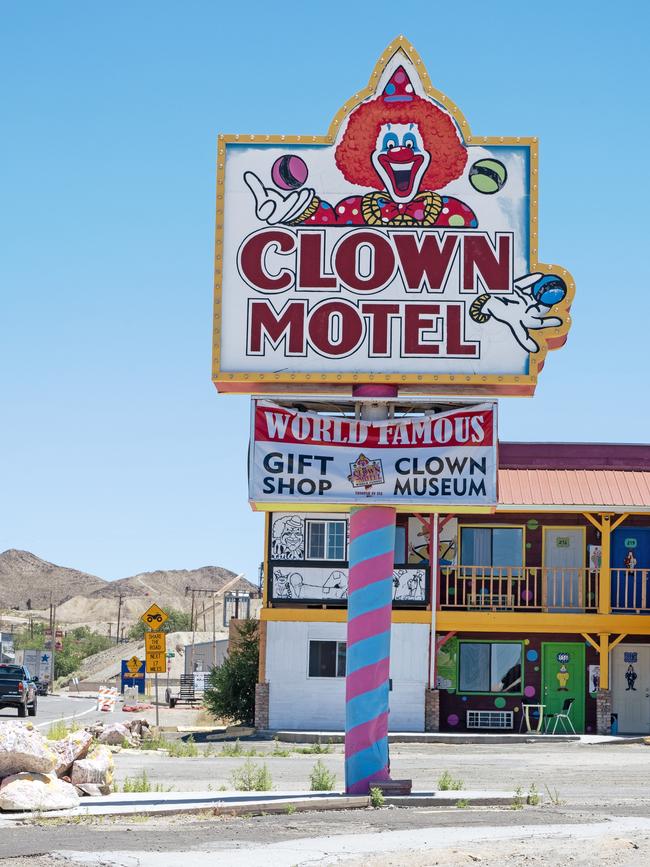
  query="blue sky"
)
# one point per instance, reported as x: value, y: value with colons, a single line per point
x: 117, y: 456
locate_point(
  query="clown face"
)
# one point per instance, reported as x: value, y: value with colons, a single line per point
x: 400, y: 159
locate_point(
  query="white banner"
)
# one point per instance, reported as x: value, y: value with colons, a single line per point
x: 447, y: 458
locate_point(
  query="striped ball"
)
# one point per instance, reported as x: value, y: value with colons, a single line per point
x: 289, y: 172
x: 488, y: 176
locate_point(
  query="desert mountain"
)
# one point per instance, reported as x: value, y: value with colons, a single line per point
x: 172, y: 583
x: 25, y: 576
x: 87, y: 600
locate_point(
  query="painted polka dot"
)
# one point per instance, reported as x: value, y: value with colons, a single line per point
x: 445, y: 199
x: 445, y: 210
x: 313, y: 218
x: 456, y: 220
x: 409, y: 88
x: 451, y: 591
x: 348, y: 222
x: 499, y: 702
x: 341, y: 210
x: 399, y: 77
x: 464, y: 698
x: 526, y: 640
x: 531, y: 655
x: 350, y: 201
x: 528, y: 544
x: 325, y: 219
x: 390, y: 88
x: 419, y: 214
x: 324, y: 205
x: 533, y: 524
x: 474, y: 224
x: 516, y: 710
x: 526, y: 595
x: 453, y: 719
x: 589, y: 728
x: 537, y: 668
x: 355, y: 211
x: 529, y: 692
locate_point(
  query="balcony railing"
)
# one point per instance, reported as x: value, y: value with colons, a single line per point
x: 631, y: 590
x: 519, y: 588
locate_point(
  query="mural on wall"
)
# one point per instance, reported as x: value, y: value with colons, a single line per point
x: 318, y: 584
x: 288, y: 538
x: 418, y: 542
x: 396, y: 239
x: 447, y: 665
x: 594, y: 678
x: 630, y: 678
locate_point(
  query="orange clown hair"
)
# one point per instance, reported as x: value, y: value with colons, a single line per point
x: 448, y: 155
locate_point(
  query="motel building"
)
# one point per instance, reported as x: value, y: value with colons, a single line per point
x: 538, y: 608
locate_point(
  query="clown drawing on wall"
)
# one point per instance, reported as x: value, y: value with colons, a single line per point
x: 400, y: 144
x: 404, y: 150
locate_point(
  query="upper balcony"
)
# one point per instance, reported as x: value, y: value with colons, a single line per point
x: 538, y: 589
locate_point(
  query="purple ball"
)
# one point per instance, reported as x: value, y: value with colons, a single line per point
x: 289, y: 172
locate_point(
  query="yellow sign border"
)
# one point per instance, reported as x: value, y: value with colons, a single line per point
x: 458, y: 384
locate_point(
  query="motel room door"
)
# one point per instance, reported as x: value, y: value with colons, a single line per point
x: 631, y: 688
x: 563, y: 676
x: 564, y: 563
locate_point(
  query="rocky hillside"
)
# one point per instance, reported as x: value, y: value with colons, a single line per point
x: 172, y: 583
x: 24, y: 576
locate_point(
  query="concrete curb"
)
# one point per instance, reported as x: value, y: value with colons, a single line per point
x: 297, y: 737
x: 240, y: 804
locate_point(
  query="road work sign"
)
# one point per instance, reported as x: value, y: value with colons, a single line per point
x: 154, y: 617
x: 156, y: 652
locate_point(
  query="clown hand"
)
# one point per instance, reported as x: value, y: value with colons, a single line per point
x: 272, y: 207
x: 526, y: 309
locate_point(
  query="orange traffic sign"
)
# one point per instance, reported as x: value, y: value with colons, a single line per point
x: 134, y: 664
x: 155, y: 644
x: 154, y: 617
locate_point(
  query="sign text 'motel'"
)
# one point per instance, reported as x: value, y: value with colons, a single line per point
x: 398, y: 249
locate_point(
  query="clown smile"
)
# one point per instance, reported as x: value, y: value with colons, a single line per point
x: 401, y: 165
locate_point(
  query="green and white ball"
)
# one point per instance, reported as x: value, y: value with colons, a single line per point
x: 488, y: 176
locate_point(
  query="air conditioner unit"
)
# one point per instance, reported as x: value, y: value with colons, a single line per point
x: 490, y: 719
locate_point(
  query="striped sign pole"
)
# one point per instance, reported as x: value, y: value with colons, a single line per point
x: 370, y: 599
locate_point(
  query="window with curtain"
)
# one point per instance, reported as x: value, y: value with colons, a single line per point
x: 490, y: 667
x: 327, y: 658
x: 491, y: 546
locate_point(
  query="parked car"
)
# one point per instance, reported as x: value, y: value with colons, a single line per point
x: 17, y: 689
x: 42, y: 686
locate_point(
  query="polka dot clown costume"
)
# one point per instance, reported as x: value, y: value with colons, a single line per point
x: 403, y: 146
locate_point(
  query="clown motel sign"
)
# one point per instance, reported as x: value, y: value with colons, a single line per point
x: 399, y: 248
x: 430, y: 460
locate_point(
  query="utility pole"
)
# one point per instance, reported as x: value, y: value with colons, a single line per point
x: 119, y: 617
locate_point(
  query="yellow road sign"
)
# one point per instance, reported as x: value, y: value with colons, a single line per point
x: 134, y: 664
x: 155, y: 644
x: 154, y: 617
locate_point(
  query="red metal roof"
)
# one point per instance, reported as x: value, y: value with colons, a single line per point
x: 615, y: 490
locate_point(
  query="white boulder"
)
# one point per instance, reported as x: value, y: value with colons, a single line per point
x: 114, y: 735
x: 70, y: 748
x: 23, y: 748
x: 96, y: 768
x: 37, y: 792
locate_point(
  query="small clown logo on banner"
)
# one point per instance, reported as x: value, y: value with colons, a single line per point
x: 364, y: 473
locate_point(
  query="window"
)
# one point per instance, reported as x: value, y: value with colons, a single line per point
x: 327, y: 658
x: 491, y: 546
x: 326, y: 540
x: 490, y: 667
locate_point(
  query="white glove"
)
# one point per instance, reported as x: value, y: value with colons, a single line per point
x: 521, y: 312
x: 272, y: 207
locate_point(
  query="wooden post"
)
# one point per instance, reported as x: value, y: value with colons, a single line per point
x: 605, y: 578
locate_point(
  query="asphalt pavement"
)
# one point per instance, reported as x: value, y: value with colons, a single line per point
x: 52, y: 708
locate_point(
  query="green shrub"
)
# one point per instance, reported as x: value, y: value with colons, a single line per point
x: 251, y: 778
x: 57, y: 731
x: 231, y: 690
x: 376, y: 797
x: 141, y: 783
x: 321, y: 780
x: 316, y: 749
x: 446, y: 782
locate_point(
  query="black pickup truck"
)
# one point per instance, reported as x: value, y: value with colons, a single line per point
x: 17, y: 689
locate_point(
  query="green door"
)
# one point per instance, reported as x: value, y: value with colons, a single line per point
x: 563, y: 676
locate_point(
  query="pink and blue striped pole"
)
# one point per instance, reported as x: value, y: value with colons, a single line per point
x: 370, y: 602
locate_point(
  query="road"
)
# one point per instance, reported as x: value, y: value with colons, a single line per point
x: 55, y: 707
